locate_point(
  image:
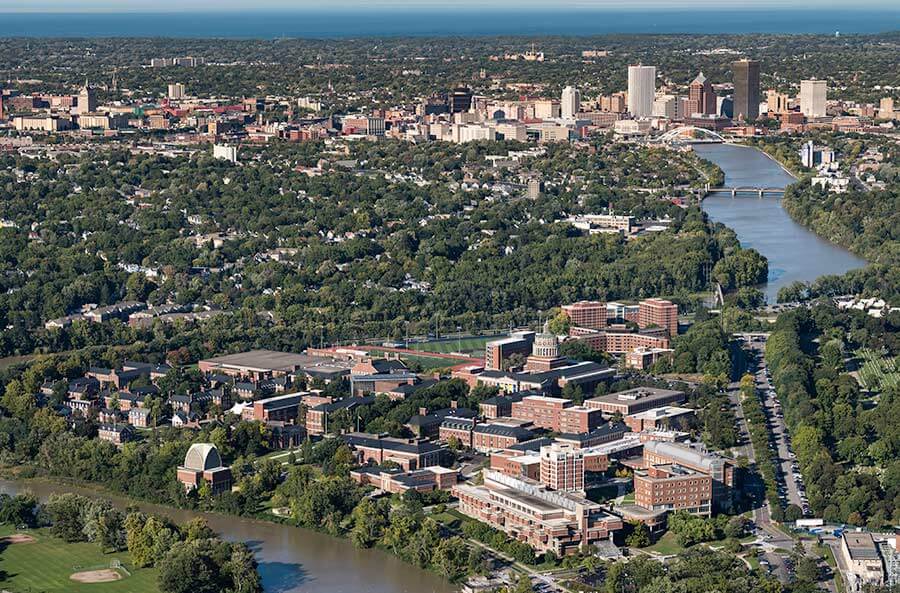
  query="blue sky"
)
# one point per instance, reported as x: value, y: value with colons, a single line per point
x: 243, y: 5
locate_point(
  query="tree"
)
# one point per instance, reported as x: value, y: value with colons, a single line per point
x: 243, y: 569
x: 639, y: 536
x: 450, y: 558
x: 65, y: 512
x: 369, y: 519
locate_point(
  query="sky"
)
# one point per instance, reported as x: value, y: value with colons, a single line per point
x: 259, y: 5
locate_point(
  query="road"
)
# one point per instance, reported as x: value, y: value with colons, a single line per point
x: 790, y: 486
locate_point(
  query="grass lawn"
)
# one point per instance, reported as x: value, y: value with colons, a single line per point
x: 45, y: 566
x: 466, y: 345
x: 629, y: 498
x: 425, y: 361
x: 667, y: 545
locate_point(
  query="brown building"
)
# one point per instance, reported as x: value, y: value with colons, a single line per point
x: 497, y: 351
x: 643, y: 358
x: 317, y: 416
x: 587, y: 314
x: 410, y: 454
x: 284, y: 408
x: 490, y: 437
x: 203, y: 464
x: 542, y: 411
x: 659, y: 313
x: 632, y: 401
x: 397, y: 481
x: 683, y: 465
x: 516, y: 464
x: 560, y: 522
x: 671, y: 487
x: 117, y: 434
x: 701, y: 98
x: 562, y: 467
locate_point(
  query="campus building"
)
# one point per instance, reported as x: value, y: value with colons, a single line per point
x: 632, y: 401
x: 203, y: 464
x: 410, y: 454
x: 561, y: 522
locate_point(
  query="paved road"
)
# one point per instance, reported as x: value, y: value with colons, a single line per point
x: 793, y: 490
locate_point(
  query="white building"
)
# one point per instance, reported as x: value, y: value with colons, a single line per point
x: 176, y: 92
x: 813, y: 94
x: 666, y: 106
x: 226, y: 152
x: 570, y: 104
x: 641, y: 90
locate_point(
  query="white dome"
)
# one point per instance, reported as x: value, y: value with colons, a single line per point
x: 202, y: 457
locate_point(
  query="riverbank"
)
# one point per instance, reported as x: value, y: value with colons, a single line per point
x: 291, y: 558
x: 795, y: 253
x: 782, y: 165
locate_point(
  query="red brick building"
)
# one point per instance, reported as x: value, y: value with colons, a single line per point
x: 659, y: 312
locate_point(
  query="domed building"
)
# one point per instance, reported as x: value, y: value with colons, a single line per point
x: 202, y: 462
x: 545, y: 353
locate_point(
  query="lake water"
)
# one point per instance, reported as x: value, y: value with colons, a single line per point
x: 320, y: 22
x: 291, y: 560
x: 794, y: 252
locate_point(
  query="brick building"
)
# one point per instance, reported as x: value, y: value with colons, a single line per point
x: 410, y: 454
x: 632, y: 401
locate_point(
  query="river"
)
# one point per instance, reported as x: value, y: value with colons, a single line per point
x: 291, y: 560
x: 794, y: 252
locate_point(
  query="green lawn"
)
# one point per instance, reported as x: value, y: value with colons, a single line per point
x: 629, y: 498
x: 425, y: 361
x: 466, y: 345
x: 45, y: 566
x: 667, y: 545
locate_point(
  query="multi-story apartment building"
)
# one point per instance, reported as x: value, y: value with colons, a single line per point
x: 677, y: 461
x: 562, y: 467
x: 587, y: 314
x: 560, y: 522
x: 660, y: 313
x: 672, y: 487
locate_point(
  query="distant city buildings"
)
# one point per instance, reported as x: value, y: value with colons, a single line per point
x: 746, y: 89
x: 813, y: 95
x: 570, y: 102
x: 641, y: 90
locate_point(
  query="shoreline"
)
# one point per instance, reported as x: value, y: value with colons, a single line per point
x: 217, y: 520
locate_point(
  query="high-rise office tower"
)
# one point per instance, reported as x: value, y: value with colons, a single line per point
x: 746, y: 89
x: 701, y: 98
x: 641, y: 90
x: 812, y: 97
x: 777, y: 102
x: 570, y: 103
x: 460, y: 99
x: 87, y: 99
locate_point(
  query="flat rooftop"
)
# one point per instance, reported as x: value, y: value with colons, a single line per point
x: 271, y: 360
x: 663, y: 412
x: 642, y: 394
x: 861, y: 546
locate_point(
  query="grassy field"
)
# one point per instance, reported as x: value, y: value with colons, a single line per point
x: 465, y: 345
x: 46, y: 565
x: 425, y: 361
x: 667, y: 545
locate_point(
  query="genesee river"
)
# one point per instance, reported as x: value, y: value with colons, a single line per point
x: 794, y: 252
x: 291, y: 560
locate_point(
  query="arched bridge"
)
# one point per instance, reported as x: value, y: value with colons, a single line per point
x: 690, y: 135
x: 734, y: 191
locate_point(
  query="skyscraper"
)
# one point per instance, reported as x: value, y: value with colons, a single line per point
x: 460, y: 99
x: 701, y: 98
x: 641, y: 90
x: 812, y: 97
x: 87, y: 99
x: 746, y: 89
x: 570, y: 103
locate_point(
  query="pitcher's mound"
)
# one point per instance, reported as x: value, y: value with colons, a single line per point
x: 96, y: 576
x: 18, y: 538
